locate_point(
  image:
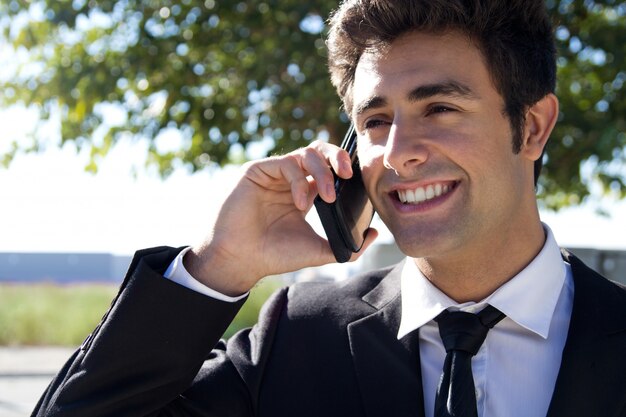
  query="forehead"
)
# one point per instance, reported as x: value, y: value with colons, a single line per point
x: 417, y: 59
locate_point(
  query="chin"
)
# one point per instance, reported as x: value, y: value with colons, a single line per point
x: 423, y: 243
x: 413, y: 246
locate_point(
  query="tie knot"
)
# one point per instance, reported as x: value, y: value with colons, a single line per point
x: 466, y: 331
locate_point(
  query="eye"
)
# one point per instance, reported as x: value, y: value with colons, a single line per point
x: 373, y: 123
x: 439, y: 108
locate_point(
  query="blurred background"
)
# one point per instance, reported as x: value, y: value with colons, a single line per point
x: 123, y: 123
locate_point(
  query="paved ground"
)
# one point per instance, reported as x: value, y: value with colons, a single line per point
x: 24, y: 374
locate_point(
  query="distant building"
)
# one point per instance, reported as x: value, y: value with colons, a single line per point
x: 62, y: 267
x: 610, y: 263
x: 103, y: 267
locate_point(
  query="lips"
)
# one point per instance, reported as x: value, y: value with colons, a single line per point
x: 424, y: 193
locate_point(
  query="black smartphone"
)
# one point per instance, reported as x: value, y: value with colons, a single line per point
x: 348, y: 218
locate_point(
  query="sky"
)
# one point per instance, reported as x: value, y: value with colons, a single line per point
x: 48, y: 203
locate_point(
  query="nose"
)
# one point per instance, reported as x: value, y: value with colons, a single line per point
x: 404, y: 151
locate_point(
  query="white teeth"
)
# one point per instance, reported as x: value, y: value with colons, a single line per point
x: 410, y: 195
x: 430, y: 192
x: 421, y: 194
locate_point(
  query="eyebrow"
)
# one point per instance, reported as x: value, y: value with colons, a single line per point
x: 447, y: 88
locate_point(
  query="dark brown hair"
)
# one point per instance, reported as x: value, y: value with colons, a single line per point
x: 514, y: 36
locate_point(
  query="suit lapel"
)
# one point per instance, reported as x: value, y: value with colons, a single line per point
x: 592, y: 374
x: 387, y: 369
x: 591, y: 379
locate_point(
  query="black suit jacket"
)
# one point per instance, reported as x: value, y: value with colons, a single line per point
x: 319, y: 349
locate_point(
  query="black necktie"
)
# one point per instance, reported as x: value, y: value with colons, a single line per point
x: 462, y: 335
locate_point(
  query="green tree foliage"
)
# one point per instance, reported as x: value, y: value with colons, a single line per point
x: 591, y: 37
x: 228, y: 74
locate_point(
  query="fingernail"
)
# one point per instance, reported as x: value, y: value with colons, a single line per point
x: 304, y: 201
x: 330, y: 190
x: 347, y: 166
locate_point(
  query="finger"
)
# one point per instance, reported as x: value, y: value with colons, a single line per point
x: 371, y: 235
x: 279, y: 174
x: 315, y: 164
x: 336, y: 157
x: 312, y: 193
x: 291, y: 171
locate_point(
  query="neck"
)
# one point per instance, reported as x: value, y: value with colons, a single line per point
x: 477, y: 273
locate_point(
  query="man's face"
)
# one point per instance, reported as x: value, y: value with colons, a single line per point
x: 435, y: 148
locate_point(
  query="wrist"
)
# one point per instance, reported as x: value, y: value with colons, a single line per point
x: 218, y: 272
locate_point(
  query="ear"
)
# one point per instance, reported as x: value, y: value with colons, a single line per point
x: 540, y: 120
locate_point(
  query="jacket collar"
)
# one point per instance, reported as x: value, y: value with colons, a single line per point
x: 590, y: 381
x: 591, y: 377
x: 387, y: 369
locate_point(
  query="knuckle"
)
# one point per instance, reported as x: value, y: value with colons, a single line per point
x: 291, y: 159
x: 317, y: 144
x: 310, y: 152
x: 300, y: 182
x: 249, y: 167
x: 249, y: 164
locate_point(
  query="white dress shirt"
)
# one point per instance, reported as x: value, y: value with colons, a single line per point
x: 516, y: 367
x: 179, y: 274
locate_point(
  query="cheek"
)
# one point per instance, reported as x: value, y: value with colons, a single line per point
x: 493, y: 173
x: 370, y: 161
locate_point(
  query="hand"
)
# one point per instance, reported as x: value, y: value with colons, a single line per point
x: 261, y: 228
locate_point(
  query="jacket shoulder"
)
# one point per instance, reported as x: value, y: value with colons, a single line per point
x: 580, y: 269
x: 595, y: 293
x: 336, y: 299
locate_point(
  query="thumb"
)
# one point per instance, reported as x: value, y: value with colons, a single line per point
x: 371, y: 235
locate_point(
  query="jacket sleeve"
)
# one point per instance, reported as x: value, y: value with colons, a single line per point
x: 146, y: 356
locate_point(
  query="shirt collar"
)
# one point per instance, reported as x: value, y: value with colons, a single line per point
x: 529, y: 298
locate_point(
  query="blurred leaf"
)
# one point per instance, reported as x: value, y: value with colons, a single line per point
x: 225, y: 72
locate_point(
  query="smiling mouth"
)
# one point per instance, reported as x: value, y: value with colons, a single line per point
x: 422, y: 194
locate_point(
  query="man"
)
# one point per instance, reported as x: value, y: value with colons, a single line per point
x: 453, y: 104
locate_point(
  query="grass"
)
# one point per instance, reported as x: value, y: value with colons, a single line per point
x: 47, y: 314
x: 63, y: 315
